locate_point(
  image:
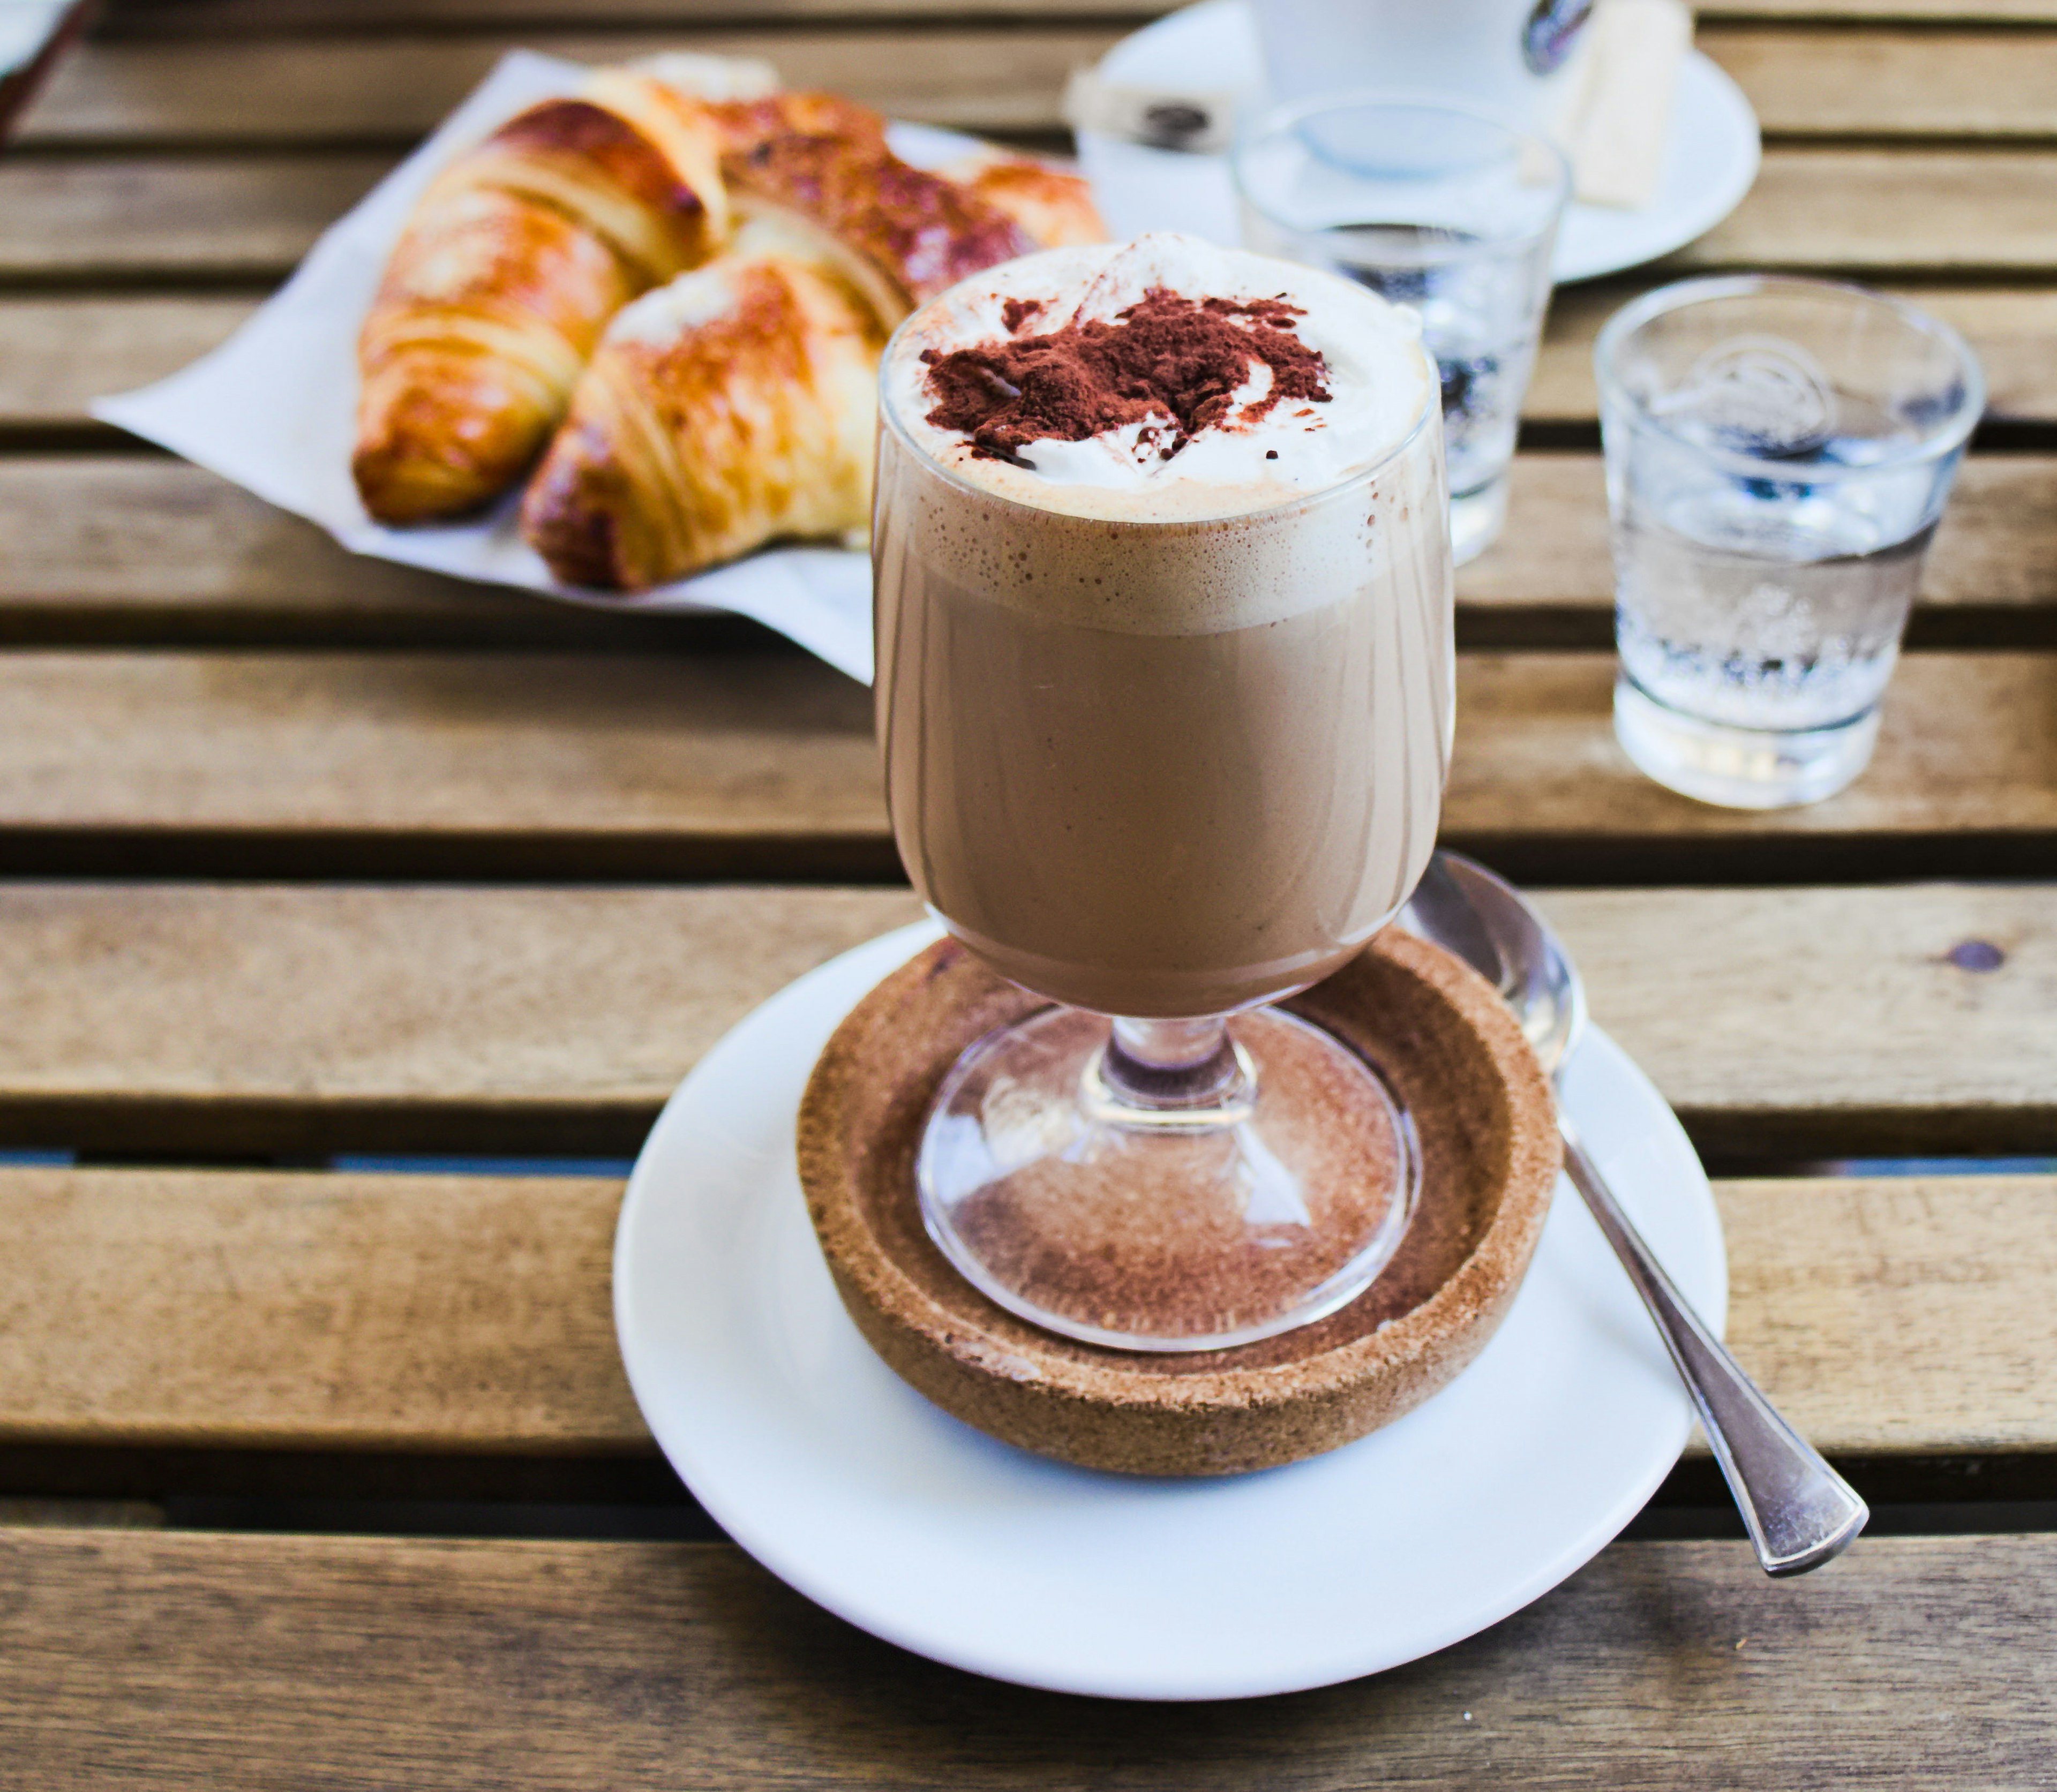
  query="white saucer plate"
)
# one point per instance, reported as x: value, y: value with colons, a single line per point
x: 852, y: 1488
x: 1709, y: 164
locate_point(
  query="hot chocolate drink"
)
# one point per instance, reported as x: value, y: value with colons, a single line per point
x: 1164, y: 679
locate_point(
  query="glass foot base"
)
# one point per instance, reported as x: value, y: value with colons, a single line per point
x: 1740, y: 767
x: 1476, y: 519
x: 1271, y: 1205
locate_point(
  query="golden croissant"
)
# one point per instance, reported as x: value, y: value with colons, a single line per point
x: 515, y: 258
x: 697, y: 434
x: 898, y: 234
x: 733, y: 407
x: 1054, y: 209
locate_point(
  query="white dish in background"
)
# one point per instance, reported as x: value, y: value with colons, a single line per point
x: 1709, y: 166
x: 852, y: 1488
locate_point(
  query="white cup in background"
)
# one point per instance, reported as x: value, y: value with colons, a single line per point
x: 1516, y: 58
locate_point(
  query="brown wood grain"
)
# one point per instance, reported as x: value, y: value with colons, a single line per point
x: 201, y: 217
x: 130, y: 219
x: 1946, y: 12
x: 336, y: 1311
x: 59, y: 352
x: 172, y: 18
x: 2012, y: 332
x: 518, y: 763
x: 267, y: 1662
x: 611, y: 764
x: 548, y: 1019
x: 1885, y: 83
x: 1991, y: 574
x: 1967, y: 765
x: 1802, y: 83
x: 162, y: 20
x: 353, y: 1312
x: 151, y: 553
x: 244, y: 1019
x: 1941, y: 211
x: 1735, y: 1001
x: 392, y: 89
x: 1886, y: 1314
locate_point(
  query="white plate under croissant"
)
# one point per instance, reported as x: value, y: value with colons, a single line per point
x: 664, y: 313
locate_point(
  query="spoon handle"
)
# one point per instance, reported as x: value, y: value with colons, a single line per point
x: 1799, y: 1511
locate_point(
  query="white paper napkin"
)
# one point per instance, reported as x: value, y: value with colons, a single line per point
x: 274, y: 409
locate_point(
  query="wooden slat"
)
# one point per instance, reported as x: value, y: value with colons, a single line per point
x: 239, y: 1019
x: 350, y: 1312
x: 154, y: 551
x: 159, y: 20
x: 1884, y: 83
x: 531, y: 764
x: 172, y: 18
x: 58, y: 352
x: 222, y: 217
x: 1966, y: 772
x: 233, y: 1662
x: 1770, y: 1019
x: 1991, y: 575
x: 2013, y: 334
x: 1889, y: 1315
x: 1939, y: 211
x: 1949, y: 12
x: 229, y: 218
x: 623, y: 765
x: 472, y: 1315
x: 550, y: 1020
x: 151, y: 551
x: 391, y: 90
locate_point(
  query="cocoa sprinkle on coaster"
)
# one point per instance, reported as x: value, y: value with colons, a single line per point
x: 1168, y: 358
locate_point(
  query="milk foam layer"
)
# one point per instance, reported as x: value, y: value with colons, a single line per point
x: 1218, y: 537
x: 1380, y: 383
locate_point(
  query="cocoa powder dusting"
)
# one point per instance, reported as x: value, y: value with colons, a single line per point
x: 1018, y: 311
x: 1167, y: 359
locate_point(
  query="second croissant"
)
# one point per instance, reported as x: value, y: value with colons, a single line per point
x: 774, y: 240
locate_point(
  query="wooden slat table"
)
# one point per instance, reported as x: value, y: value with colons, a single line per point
x: 319, y: 871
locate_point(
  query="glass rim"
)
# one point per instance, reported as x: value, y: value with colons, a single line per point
x: 1942, y: 439
x: 1280, y: 118
x: 889, y: 418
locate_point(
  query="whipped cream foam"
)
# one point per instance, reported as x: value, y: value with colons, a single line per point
x: 1264, y: 447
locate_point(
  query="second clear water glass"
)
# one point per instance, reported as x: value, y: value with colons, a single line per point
x: 1778, y: 454
x: 1445, y: 210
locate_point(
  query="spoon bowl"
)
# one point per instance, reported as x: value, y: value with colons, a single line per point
x: 1799, y: 1512
x: 1475, y: 913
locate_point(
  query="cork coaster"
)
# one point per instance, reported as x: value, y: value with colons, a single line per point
x: 1483, y: 1117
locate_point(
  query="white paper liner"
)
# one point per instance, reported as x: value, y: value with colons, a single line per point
x: 274, y: 409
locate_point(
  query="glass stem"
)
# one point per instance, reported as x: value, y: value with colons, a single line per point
x: 1160, y: 1064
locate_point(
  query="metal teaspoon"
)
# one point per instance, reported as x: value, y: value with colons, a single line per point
x: 1799, y: 1511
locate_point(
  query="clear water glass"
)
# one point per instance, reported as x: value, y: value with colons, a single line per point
x: 1778, y: 454
x: 1447, y: 211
